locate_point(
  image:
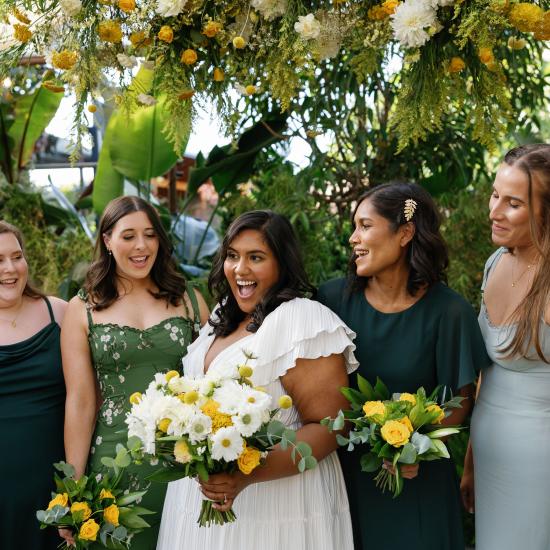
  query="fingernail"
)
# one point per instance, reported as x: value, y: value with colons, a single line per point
x: 471, y: 510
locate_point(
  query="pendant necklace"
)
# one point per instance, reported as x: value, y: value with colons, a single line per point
x: 13, y: 322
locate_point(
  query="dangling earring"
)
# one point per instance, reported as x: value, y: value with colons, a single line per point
x: 109, y: 251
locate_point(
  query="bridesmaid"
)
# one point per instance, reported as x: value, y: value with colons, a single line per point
x: 412, y: 330
x: 135, y: 317
x: 32, y: 398
x: 510, y: 447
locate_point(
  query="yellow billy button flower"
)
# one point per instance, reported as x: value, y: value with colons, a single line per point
x: 105, y: 493
x: 21, y: 33
x: 110, y: 31
x: 163, y: 424
x: 189, y: 57
x: 245, y: 371
x: 211, y: 29
x: 110, y: 514
x: 408, y: 397
x: 93, y: 109
x: 525, y: 16
x: 285, y: 401
x: 61, y: 499
x: 250, y: 89
x: 239, y: 42
x: 374, y: 408
x: 135, y: 398
x: 64, y: 59
x: 486, y: 55
x: 127, y: 6
x: 249, y: 459
x: 456, y: 65
x: 89, y: 530
x: 166, y: 34
x: 191, y: 397
x: 219, y: 75
x: 434, y: 408
x: 395, y: 433
x: 81, y: 507
x: 171, y: 374
x: 181, y: 452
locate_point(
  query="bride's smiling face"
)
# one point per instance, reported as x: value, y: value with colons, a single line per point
x: 250, y: 268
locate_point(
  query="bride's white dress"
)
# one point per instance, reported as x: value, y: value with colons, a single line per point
x: 306, y: 511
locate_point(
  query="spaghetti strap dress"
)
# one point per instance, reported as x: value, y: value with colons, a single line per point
x: 32, y: 408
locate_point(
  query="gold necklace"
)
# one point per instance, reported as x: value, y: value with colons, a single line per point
x: 13, y: 321
x: 515, y: 282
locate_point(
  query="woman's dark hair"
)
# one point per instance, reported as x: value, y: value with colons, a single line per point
x: 6, y: 227
x: 101, y: 278
x: 427, y: 254
x: 293, y: 281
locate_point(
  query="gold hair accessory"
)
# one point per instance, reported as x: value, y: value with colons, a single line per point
x: 410, y: 208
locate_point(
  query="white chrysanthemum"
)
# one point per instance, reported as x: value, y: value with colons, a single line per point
x: 180, y: 415
x: 255, y: 399
x: 199, y: 427
x: 70, y: 7
x: 327, y: 49
x: 410, y: 22
x: 270, y: 9
x: 229, y: 395
x: 127, y: 61
x: 221, y: 371
x: 227, y: 444
x: 248, y: 421
x: 307, y: 26
x: 146, y: 99
x: 170, y: 8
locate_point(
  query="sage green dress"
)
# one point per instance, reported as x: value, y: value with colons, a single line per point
x: 436, y: 341
x: 32, y: 408
x: 126, y: 360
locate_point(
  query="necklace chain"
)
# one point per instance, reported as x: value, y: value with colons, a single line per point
x: 516, y: 281
x: 13, y: 322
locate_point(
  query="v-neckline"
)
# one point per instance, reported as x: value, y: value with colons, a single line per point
x: 210, y: 343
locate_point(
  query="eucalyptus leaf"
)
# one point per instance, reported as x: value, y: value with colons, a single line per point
x: 129, y: 498
x: 408, y: 454
x: 370, y: 462
x: 67, y: 469
x: 422, y: 443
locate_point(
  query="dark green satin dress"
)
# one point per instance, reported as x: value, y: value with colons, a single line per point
x: 32, y: 407
x: 436, y: 341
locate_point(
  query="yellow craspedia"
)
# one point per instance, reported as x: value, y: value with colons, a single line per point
x: 389, y: 6
x: 105, y: 493
x: 219, y: 420
x: 110, y: 514
x: 441, y: 416
x: 395, y: 433
x: 239, y: 42
x: 189, y: 57
x: 374, y: 408
x: 411, y: 398
x: 181, y: 452
x: 166, y: 34
x: 191, y: 397
x: 211, y: 29
x: 406, y: 421
x: 135, y: 398
x: 245, y: 371
x: 60, y: 499
x: 81, y: 507
x: 88, y: 530
x: 110, y: 31
x: 93, y: 109
x: 486, y: 55
x: 249, y: 459
x: 163, y: 424
x: 21, y: 33
x: 525, y: 17
x: 516, y: 43
x: 64, y: 59
x: 219, y: 75
x: 250, y: 89
x: 456, y: 65
x: 285, y: 401
x: 172, y: 374
x: 127, y: 6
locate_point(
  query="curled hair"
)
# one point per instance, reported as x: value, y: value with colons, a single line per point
x: 6, y: 227
x: 534, y: 161
x: 427, y: 255
x: 293, y: 282
x: 101, y: 279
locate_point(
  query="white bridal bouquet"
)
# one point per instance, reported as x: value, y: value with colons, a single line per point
x: 207, y: 425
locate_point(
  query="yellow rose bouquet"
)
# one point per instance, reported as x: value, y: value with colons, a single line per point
x: 208, y: 425
x: 95, y: 508
x: 404, y: 428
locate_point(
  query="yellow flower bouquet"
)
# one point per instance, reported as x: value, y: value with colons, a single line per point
x: 404, y: 428
x: 95, y: 508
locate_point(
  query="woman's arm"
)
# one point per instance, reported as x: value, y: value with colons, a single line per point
x: 314, y: 385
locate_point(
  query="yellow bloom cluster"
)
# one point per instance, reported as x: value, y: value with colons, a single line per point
x: 211, y: 29
x: 525, y: 17
x: 456, y: 65
x: 64, y: 59
x: 21, y: 32
x: 219, y: 75
x: 249, y: 459
x: 105, y: 493
x: 189, y: 57
x: 374, y: 410
x: 166, y: 34
x: 139, y: 38
x: 396, y: 432
x: 127, y: 6
x: 81, y: 507
x: 110, y: 514
x: 61, y: 499
x: 21, y: 16
x: 437, y: 408
x: 89, y: 530
x: 219, y: 420
x: 384, y: 10
x: 409, y: 396
x: 110, y: 31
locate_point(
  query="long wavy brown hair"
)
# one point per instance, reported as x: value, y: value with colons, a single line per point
x: 534, y: 161
x: 6, y: 227
x: 101, y: 279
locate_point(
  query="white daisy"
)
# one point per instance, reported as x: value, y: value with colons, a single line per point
x: 227, y: 444
x: 248, y: 421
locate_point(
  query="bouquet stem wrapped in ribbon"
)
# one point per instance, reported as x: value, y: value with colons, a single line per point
x: 402, y: 429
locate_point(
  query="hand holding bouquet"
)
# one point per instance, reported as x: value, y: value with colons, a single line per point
x: 94, y: 508
x: 402, y: 430
x: 214, y: 424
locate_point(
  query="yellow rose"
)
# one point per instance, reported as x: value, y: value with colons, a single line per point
x: 486, y: 55
x: 181, y: 452
x: 249, y: 460
x: 408, y: 397
x: 88, y: 530
x: 127, y: 5
x: 61, y: 499
x: 110, y: 31
x: 212, y: 28
x: 189, y: 57
x: 166, y: 34
x: 219, y: 75
x: 110, y: 514
x: 406, y: 421
x: 455, y: 66
x: 395, y: 433
x: 374, y: 408
x: 434, y: 408
x: 81, y: 507
x: 105, y: 493
x: 239, y: 42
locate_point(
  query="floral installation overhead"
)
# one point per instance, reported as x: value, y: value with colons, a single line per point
x: 207, y: 48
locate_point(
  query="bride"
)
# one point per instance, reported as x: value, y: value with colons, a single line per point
x: 303, y: 350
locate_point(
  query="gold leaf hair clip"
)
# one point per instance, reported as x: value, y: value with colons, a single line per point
x: 409, y: 210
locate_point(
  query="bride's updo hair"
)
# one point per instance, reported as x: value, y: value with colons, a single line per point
x: 293, y: 281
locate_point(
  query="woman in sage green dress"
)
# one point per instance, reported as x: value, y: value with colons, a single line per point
x: 412, y: 330
x: 32, y: 399
x: 135, y: 317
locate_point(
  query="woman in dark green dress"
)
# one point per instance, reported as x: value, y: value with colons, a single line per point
x: 32, y: 399
x: 135, y: 317
x: 412, y: 330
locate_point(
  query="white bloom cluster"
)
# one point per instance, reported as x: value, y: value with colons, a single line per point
x: 270, y: 9
x: 307, y: 26
x: 415, y: 21
x: 170, y: 8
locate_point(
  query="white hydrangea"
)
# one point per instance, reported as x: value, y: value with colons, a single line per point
x: 270, y: 9
x: 227, y: 444
x: 307, y: 26
x: 170, y: 8
x: 411, y: 21
x: 70, y: 7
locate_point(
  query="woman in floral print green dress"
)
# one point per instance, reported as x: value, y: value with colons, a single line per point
x: 135, y: 317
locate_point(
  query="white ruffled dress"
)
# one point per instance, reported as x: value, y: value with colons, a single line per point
x: 306, y: 511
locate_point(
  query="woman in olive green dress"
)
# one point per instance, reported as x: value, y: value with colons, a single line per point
x: 135, y: 317
x: 32, y: 398
x: 412, y: 330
